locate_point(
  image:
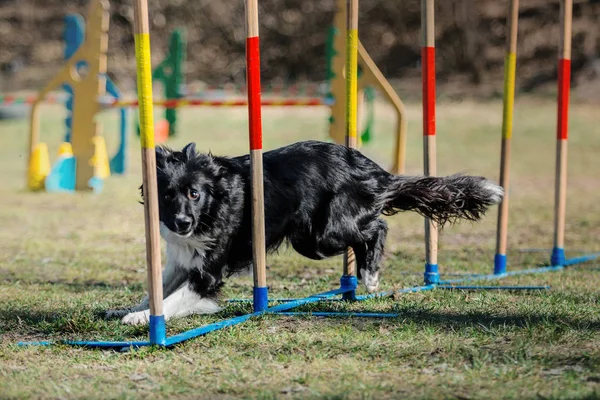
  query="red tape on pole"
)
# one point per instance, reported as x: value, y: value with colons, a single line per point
x: 253, y: 62
x: 428, y: 59
x: 564, y: 83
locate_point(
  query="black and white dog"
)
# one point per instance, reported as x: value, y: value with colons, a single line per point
x: 321, y: 198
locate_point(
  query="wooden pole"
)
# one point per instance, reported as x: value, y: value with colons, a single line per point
x: 256, y: 155
x: 562, y: 131
x: 510, y: 62
x: 429, y: 144
x: 144, y: 84
x: 351, y: 106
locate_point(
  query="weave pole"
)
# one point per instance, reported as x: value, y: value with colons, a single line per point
x: 144, y: 83
x: 348, y: 279
x: 562, y: 132
x: 510, y: 63
x: 432, y: 275
x: 256, y: 161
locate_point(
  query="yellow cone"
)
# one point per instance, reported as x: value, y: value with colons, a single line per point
x: 39, y: 167
x: 100, y: 160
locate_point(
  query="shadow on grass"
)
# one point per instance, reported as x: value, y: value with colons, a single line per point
x: 79, y: 320
x: 23, y: 320
x: 453, y: 321
x: 78, y: 287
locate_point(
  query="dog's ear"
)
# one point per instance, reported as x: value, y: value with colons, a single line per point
x: 161, y: 154
x: 189, y: 150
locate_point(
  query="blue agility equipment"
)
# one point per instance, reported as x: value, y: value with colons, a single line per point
x: 346, y: 292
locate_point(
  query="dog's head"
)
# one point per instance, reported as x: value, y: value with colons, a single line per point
x: 186, y: 188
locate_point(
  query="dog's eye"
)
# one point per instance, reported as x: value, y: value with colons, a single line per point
x: 193, y: 194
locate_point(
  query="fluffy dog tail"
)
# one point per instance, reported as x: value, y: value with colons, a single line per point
x: 442, y: 199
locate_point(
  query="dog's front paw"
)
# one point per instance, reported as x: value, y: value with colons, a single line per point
x: 137, y: 318
x: 370, y: 279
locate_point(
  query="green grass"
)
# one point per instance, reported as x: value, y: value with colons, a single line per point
x: 65, y: 258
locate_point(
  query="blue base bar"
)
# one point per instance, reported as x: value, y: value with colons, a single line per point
x: 277, y: 300
x: 173, y: 340
x: 558, y: 256
x: 578, y: 260
x: 90, y: 344
x: 339, y: 314
x: 348, y: 283
x: 432, y: 276
x: 494, y: 287
x: 158, y: 330
x: 406, y: 290
x: 499, y: 264
x: 509, y: 273
x: 261, y: 299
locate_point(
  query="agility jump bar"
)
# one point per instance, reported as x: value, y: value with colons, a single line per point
x: 176, y: 103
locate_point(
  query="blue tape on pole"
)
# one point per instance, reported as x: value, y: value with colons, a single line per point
x: 558, y: 256
x: 500, y: 264
x: 158, y: 330
x: 261, y: 299
x: 432, y: 276
x: 348, y: 283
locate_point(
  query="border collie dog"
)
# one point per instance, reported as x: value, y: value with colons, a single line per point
x: 319, y: 197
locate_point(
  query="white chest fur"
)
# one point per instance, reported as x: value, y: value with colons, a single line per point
x: 185, y: 252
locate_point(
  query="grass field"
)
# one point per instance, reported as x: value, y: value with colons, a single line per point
x: 65, y: 258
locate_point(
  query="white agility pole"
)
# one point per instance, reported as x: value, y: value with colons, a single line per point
x: 510, y: 63
x: 153, y: 255
x: 562, y: 131
x: 429, y: 148
x: 348, y: 279
x: 256, y: 156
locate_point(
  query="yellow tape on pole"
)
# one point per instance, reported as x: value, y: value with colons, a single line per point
x: 144, y: 81
x: 352, y: 84
x: 510, y: 65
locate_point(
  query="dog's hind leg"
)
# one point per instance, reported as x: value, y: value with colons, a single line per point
x: 368, y: 255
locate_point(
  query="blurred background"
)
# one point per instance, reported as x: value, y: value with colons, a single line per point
x: 470, y: 38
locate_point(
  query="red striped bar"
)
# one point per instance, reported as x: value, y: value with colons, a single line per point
x: 175, y: 103
x: 253, y: 62
x: 428, y: 60
x: 564, y: 85
x: 13, y: 99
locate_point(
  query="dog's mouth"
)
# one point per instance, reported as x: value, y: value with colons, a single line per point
x: 184, y: 234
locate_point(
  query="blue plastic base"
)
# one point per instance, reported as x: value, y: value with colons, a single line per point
x: 458, y: 287
x: 339, y: 314
x: 500, y: 264
x: 432, y: 276
x: 158, y: 330
x: 62, y: 175
x: 558, y: 256
x: 582, y: 259
x: 348, y: 283
x: 261, y: 299
x: 332, y: 295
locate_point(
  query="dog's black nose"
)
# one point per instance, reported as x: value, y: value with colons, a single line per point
x: 183, y: 224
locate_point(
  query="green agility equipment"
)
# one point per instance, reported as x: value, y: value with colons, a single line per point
x: 170, y: 73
